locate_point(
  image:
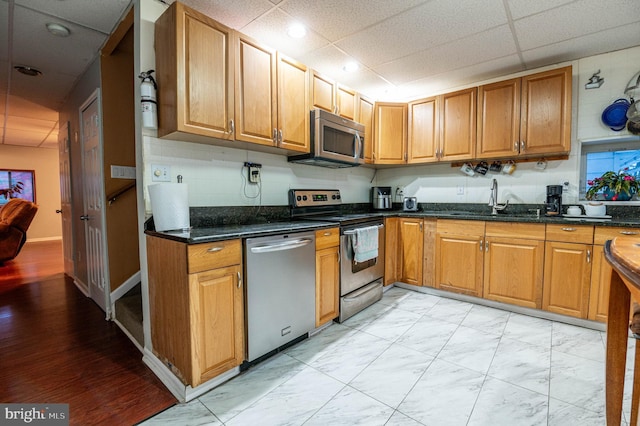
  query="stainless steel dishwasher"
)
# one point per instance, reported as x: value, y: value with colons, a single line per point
x: 280, y: 283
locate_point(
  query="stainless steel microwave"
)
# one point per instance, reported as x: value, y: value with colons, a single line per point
x: 335, y: 142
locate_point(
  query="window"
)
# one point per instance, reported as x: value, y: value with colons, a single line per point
x: 598, y: 158
x: 17, y: 184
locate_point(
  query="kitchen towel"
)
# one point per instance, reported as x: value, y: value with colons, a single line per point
x: 365, y: 243
x: 170, y: 206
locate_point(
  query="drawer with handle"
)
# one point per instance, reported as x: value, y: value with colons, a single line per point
x: 570, y: 233
x: 206, y: 256
x: 327, y: 238
x: 604, y: 233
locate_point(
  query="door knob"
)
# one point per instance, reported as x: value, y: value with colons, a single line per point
x: 58, y: 211
x: 84, y: 217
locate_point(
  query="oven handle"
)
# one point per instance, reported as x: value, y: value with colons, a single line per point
x: 351, y: 232
x: 289, y: 245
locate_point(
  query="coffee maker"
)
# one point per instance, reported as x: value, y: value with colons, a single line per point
x: 553, y: 205
x: 381, y: 198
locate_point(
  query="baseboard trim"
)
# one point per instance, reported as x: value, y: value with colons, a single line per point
x: 83, y: 288
x: 39, y: 240
x: 125, y: 287
x: 129, y: 335
x: 181, y: 391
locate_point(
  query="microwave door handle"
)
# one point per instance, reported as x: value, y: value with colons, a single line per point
x: 357, y: 140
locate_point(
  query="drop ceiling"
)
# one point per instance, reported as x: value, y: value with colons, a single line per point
x: 405, y: 48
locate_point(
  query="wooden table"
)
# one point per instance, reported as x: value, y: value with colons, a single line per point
x: 624, y: 256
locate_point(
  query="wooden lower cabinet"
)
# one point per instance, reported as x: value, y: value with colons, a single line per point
x: 567, y: 278
x: 429, y: 253
x: 411, y: 246
x: 327, y: 275
x: 459, y: 256
x: 196, y: 301
x: 392, y: 251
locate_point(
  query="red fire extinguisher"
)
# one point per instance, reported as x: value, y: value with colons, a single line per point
x: 148, y: 89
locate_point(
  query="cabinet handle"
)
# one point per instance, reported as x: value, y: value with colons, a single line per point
x: 515, y: 146
x: 214, y: 249
x: 569, y: 229
x: 628, y: 233
x: 327, y: 234
x: 486, y: 246
x: 280, y: 135
x: 232, y: 127
x: 338, y: 256
x: 588, y: 256
x: 275, y: 135
x: 481, y: 243
x: 420, y: 226
x: 522, y: 146
x: 239, y: 280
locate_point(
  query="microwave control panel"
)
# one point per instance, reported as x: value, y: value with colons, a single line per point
x: 314, y: 197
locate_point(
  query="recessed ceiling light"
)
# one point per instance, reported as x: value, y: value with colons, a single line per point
x: 352, y: 66
x: 58, y: 29
x: 297, y: 31
x: 32, y: 72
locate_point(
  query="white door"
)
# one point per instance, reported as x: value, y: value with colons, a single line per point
x: 64, y: 156
x: 97, y: 272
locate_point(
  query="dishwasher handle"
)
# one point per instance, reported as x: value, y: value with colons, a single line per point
x: 289, y: 245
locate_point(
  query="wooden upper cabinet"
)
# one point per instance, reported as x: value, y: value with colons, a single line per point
x: 364, y: 116
x: 322, y: 92
x: 255, y: 90
x: 458, y: 125
x: 347, y: 102
x: 194, y: 68
x: 424, y: 135
x: 530, y: 115
x: 499, y: 119
x: 293, y: 99
x: 546, y: 112
x: 390, y: 132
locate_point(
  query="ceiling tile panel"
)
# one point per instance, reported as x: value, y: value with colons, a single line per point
x: 26, y: 124
x: 51, y: 142
x: 47, y: 90
x: 574, y: 20
x: 335, y: 19
x: 270, y: 29
x: 101, y: 15
x: 522, y: 8
x: 434, y: 23
x: 458, y: 54
x: 233, y: 13
x: 34, y: 46
x: 28, y: 108
x: 589, y: 45
x: 24, y: 138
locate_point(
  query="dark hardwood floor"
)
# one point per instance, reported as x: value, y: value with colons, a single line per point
x: 56, y: 347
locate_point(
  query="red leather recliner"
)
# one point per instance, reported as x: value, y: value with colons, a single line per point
x: 15, y: 218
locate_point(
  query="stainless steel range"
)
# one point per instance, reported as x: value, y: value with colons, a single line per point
x: 360, y: 282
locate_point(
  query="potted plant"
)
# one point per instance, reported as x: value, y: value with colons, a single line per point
x: 620, y: 186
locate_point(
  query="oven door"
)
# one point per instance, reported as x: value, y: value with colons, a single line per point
x: 355, y: 275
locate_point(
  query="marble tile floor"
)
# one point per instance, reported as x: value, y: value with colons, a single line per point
x: 419, y: 359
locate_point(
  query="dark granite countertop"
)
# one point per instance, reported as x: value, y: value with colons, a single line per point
x: 229, y: 232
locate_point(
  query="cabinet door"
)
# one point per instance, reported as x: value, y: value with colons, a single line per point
x: 194, y: 73
x: 217, y: 320
x: 423, y: 136
x: 459, y: 263
x: 255, y: 93
x: 499, y: 119
x: 293, y: 98
x: 429, y: 253
x: 391, y: 250
x: 411, y: 246
x: 458, y: 125
x: 567, y: 276
x: 322, y: 92
x: 513, y: 271
x: 365, y: 117
x: 346, y: 100
x: 600, y: 281
x: 327, y: 284
x: 390, y: 123
x: 546, y: 112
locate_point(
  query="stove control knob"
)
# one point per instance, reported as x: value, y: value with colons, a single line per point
x: 333, y: 197
x: 304, y: 197
x: 338, y: 196
x: 298, y: 198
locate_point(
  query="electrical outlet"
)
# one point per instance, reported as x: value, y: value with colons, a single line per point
x: 565, y: 185
x: 160, y: 173
x: 460, y: 190
x: 254, y: 174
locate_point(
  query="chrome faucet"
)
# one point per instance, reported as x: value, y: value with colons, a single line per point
x: 493, y: 199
